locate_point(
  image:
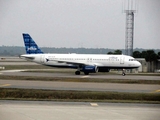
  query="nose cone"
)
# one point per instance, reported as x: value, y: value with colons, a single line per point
x: 138, y: 64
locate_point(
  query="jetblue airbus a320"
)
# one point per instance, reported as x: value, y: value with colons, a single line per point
x: 87, y: 63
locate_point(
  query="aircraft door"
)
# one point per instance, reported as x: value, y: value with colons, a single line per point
x: 42, y: 59
x: 122, y: 60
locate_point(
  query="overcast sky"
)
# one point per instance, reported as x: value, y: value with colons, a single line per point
x: 78, y: 23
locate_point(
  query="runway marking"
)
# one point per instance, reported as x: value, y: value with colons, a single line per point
x: 85, y: 76
x: 94, y: 104
x: 12, y: 70
x: 156, y: 91
x: 4, y: 85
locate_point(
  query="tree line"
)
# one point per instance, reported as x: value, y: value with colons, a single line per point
x: 149, y: 55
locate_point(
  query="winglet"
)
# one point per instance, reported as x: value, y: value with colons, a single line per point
x: 30, y: 45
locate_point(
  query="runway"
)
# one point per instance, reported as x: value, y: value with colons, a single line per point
x: 72, y: 75
x: 41, y: 110
x: 78, y: 86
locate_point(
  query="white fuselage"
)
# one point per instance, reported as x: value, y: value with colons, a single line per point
x: 87, y: 63
x: 73, y: 60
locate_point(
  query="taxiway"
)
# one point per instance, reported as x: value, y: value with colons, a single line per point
x: 43, y: 110
x: 79, y: 86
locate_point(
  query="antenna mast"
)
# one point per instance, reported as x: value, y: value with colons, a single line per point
x: 129, y: 9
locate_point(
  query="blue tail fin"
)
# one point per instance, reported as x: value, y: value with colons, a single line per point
x: 31, y: 46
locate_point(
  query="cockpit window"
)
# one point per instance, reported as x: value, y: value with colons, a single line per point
x: 132, y: 59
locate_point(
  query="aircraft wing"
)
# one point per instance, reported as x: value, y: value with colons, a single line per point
x: 77, y: 63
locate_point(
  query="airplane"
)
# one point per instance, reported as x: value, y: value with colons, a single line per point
x: 87, y: 63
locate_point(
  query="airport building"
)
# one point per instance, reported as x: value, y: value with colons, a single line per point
x: 148, y: 66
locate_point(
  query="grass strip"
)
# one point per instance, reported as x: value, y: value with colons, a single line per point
x: 63, y: 79
x: 32, y: 94
x: 13, y: 67
x: 42, y: 68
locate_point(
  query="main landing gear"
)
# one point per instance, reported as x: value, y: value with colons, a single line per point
x: 86, y: 73
x: 123, y: 72
x: 77, y: 72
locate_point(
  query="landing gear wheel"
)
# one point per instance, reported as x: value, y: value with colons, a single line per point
x: 86, y: 73
x: 77, y: 72
x: 123, y: 74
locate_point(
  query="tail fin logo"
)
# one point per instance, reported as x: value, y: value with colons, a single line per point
x: 32, y: 48
x: 30, y: 45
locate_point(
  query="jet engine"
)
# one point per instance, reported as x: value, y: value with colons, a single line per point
x: 89, y: 69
